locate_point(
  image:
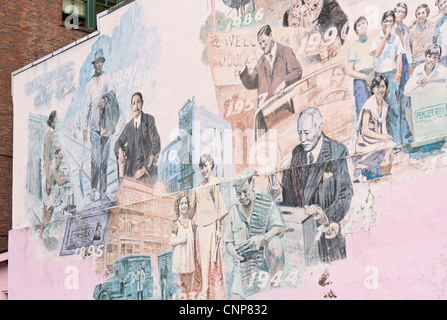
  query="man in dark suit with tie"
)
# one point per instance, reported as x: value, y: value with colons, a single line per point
x: 318, y: 181
x: 276, y: 69
x: 138, y: 146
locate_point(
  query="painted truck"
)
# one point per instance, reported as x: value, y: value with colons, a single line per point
x: 122, y: 286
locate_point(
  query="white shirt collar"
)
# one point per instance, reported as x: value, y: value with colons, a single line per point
x: 420, y: 29
x: 137, y: 121
x: 274, y: 49
x: 420, y: 71
x: 273, y: 53
x: 433, y: 73
x: 316, y: 151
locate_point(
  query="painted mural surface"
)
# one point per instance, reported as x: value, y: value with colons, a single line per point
x: 219, y: 150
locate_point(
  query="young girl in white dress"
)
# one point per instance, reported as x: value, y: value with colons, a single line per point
x: 182, y: 238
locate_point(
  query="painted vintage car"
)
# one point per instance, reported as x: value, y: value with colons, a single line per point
x: 120, y: 285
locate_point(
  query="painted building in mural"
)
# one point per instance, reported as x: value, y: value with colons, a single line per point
x: 200, y: 131
x: 315, y: 169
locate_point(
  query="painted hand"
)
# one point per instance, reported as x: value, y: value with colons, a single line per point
x: 280, y: 89
x: 317, y: 214
x: 422, y: 80
x: 140, y: 173
x: 120, y: 156
x: 257, y: 242
x: 102, y: 104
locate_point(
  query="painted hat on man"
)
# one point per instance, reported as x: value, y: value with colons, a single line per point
x: 99, y: 54
x: 246, y: 175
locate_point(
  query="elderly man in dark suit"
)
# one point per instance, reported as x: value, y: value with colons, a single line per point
x: 318, y: 181
x: 138, y: 146
x: 276, y: 69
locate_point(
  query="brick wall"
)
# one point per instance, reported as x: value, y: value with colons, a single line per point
x: 29, y: 30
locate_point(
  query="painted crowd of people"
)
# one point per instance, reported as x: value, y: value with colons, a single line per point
x: 251, y: 232
x: 137, y: 147
x: 387, y: 69
x: 206, y: 230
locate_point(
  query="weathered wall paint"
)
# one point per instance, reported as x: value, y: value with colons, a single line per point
x: 336, y: 227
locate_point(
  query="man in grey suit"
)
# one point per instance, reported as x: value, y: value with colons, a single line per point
x: 138, y: 145
x: 276, y: 69
x: 318, y: 181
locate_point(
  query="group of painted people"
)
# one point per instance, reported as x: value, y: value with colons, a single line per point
x: 137, y: 146
x: 317, y: 186
x: 278, y: 68
x: 387, y: 70
x: 52, y: 177
x: 196, y: 236
x: 319, y: 16
x: 205, y: 229
x: 135, y: 281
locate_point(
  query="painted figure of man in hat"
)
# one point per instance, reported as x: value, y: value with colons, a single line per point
x: 101, y: 114
x: 253, y: 231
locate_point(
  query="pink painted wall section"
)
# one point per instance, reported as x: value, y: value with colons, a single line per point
x: 46, y: 278
x: 403, y: 257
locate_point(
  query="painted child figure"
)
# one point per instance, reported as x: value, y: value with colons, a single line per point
x: 182, y: 238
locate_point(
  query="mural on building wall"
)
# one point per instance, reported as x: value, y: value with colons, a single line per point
x: 318, y: 105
